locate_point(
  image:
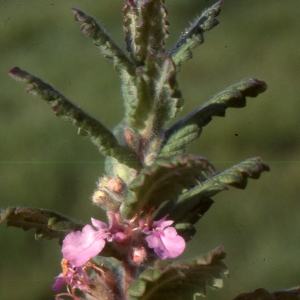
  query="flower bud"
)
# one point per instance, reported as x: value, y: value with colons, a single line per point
x: 103, y: 181
x: 139, y: 255
x: 131, y: 138
x: 103, y: 199
x: 150, y: 158
x: 116, y: 185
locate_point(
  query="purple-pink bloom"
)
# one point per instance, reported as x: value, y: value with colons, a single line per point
x: 164, y: 239
x: 60, y: 280
x: 80, y: 246
x: 75, y: 277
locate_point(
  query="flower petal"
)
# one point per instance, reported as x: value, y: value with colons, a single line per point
x: 174, y: 243
x: 99, y: 224
x: 155, y: 242
x: 59, y: 283
x: 162, y: 224
x: 78, y: 247
x: 76, y: 278
x: 166, y: 243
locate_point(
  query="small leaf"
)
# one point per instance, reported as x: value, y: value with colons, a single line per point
x: 158, y: 97
x: 145, y: 28
x: 168, y: 98
x: 191, y: 205
x: 190, y: 278
x: 62, y: 107
x: 262, y: 294
x: 108, y: 47
x: 139, y: 99
x: 130, y: 21
x: 193, y: 36
x: 151, y: 94
x: 188, y: 129
x: 48, y: 224
x: 164, y: 180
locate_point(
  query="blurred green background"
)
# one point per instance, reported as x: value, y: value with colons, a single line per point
x: 45, y: 164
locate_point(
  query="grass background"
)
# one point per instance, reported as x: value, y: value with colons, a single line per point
x: 44, y: 164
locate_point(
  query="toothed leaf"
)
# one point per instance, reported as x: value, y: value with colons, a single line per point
x: 191, y: 278
x: 262, y: 294
x: 188, y: 129
x: 130, y: 21
x: 163, y: 180
x: 145, y: 28
x: 62, y: 107
x: 168, y: 98
x: 108, y: 47
x: 48, y: 224
x: 132, y: 88
x: 158, y: 96
x: 151, y: 31
x: 191, y: 205
x: 139, y: 110
x: 193, y: 36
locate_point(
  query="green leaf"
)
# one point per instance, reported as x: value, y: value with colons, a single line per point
x: 191, y: 205
x: 262, y: 294
x: 164, y: 180
x: 168, y: 98
x: 139, y: 109
x: 130, y: 21
x: 123, y: 65
x: 62, y: 107
x: 48, y: 224
x: 108, y: 47
x: 188, y: 129
x: 185, y: 227
x: 158, y: 97
x: 193, y: 36
x: 145, y: 28
x: 191, y: 278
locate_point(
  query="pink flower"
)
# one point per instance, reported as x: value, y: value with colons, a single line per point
x: 164, y: 239
x: 60, y: 280
x: 75, y: 277
x: 80, y: 246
